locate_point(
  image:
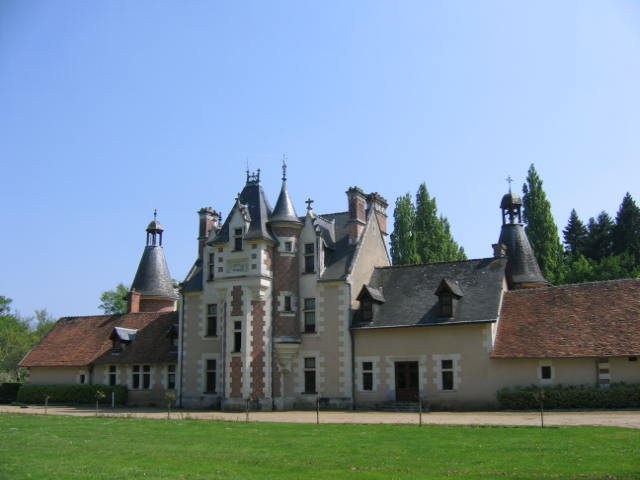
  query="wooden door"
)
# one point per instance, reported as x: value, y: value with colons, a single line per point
x: 407, y: 382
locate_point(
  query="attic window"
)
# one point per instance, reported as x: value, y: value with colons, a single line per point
x: 446, y: 305
x: 237, y: 239
x: 366, y: 309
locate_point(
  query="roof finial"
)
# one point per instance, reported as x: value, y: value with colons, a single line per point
x: 284, y: 168
x: 155, y: 214
x: 509, y: 181
x: 309, y: 202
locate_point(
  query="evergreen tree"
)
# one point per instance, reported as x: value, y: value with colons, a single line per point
x: 575, y: 236
x: 450, y: 249
x: 540, y: 227
x: 626, y: 231
x: 403, y: 247
x: 598, y: 244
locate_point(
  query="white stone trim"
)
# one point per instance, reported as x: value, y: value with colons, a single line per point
x: 545, y: 381
x: 345, y: 371
x: 391, y: 360
x: 294, y: 246
x: 201, y: 372
x: 437, y: 370
x: 320, y: 371
x: 376, y: 370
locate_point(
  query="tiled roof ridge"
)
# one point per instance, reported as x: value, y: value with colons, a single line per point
x: 322, y: 215
x: 469, y: 260
x: 569, y: 286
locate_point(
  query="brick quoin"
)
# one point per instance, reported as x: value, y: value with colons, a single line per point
x: 236, y: 377
x: 236, y: 301
x: 257, y: 348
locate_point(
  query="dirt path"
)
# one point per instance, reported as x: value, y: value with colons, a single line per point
x: 629, y: 419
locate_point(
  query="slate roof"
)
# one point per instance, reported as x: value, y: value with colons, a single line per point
x: 523, y: 266
x: 80, y: 341
x: 284, y: 210
x: 339, y: 252
x: 410, y: 299
x: 193, y: 282
x: 152, y: 277
x: 259, y: 210
x: 600, y: 319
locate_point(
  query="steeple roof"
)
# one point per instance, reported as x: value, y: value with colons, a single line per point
x: 152, y: 277
x: 284, y: 211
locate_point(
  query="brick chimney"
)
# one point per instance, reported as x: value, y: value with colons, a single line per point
x: 209, y: 219
x: 133, y: 301
x: 378, y: 205
x: 357, y: 213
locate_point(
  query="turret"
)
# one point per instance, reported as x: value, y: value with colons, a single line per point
x: 152, y: 289
x: 522, y: 267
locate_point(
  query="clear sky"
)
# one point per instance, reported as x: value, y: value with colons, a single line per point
x: 111, y: 109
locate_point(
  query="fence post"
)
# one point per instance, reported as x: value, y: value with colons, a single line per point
x: 113, y: 399
x: 317, y: 409
x: 246, y: 419
x: 419, y: 410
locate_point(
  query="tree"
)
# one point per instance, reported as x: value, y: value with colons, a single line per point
x: 626, y: 231
x: 598, y: 244
x: 17, y: 336
x: 114, y: 301
x: 540, y: 227
x: 419, y: 235
x: 575, y: 236
x: 403, y: 247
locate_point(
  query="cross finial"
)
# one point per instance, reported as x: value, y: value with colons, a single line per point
x: 155, y: 214
x: 509, y: 181
x: 308, y: 202
x: 284, y: 168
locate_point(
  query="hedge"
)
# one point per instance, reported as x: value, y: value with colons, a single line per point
x: 8, y: 392
x: 70, y: 394
x: 565, y: 397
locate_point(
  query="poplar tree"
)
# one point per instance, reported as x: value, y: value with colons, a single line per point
x: 419, y: 234
x: 540, y: 227
x: 575, y: 236
x: 403, y: 247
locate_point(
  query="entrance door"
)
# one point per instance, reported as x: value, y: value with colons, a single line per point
x: 407, y: 384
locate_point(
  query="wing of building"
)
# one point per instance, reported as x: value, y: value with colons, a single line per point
x: 283, y: 310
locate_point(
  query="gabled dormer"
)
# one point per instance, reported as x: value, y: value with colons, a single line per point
x: 370, y: 298
x: 120, y: 338
x: 449, y: 294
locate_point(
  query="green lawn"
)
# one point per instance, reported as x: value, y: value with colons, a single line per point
x: 57, y: 447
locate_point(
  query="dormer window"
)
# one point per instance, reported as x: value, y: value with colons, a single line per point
x: 211, y: 268
x: 449, y: 293
x: 366, y: 307
x: 237, y: 239
x: 368, y: 297
x: 446, y: 305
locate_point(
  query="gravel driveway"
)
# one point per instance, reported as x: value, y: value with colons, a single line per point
x: 626, y: 418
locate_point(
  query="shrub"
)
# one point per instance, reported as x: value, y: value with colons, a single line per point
x: 70, y: 394
x: 9, y: 392
x: 618, y: 395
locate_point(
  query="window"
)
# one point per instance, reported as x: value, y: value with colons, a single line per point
x: 309, y: 375
x: 171, y: 377
x: 545, y: 372
x: 141, y: 377
x: 309, y: 315
x: 237, y: 239
x: 309, y: 258
x: 288, y: 246
x: 113, y: 375
x: 367, y: 376
x: 212, y: 320
x: 287, y: 303
x: 82, y: 379
x: 210, y: 376
x: 237, y: 336
x: 446, y: 369
x: 366, y: 307
x: 211, y: 266
x: 446, y: 305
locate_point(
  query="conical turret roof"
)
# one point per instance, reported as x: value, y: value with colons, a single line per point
x: 284, y: 210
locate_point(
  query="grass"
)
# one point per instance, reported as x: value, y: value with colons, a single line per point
x: 58, y: 447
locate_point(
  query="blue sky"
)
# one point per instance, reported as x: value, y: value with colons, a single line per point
x: 111, y: 109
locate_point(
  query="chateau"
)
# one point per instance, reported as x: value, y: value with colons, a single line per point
x: 284, y: 310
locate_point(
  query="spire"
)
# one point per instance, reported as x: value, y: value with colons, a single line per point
x: 152, y: 288
x: 284, y: 210
x: 523, y: 270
